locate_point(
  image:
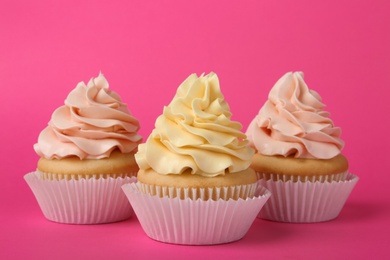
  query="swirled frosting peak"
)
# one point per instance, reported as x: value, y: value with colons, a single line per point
x: 92, y: 123
x: 292, y: 122
x: 195, y: 133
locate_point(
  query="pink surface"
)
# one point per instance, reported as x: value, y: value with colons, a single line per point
x: 146, y: 49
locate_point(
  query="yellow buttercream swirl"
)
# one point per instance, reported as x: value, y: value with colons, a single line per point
x: 195, y: 133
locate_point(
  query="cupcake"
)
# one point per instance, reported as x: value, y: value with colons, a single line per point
x: 194, y: 171
x: 298, y: 155
x: 86, y: 155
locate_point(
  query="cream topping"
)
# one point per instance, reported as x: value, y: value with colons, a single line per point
x: 293, y: 122
x: 195, y: 133
x: 92, y: 123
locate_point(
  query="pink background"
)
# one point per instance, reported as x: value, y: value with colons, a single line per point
x: 146, y: 49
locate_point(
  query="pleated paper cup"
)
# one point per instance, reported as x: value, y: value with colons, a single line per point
x: 306, y: 202
x: 312, y: 178
x: 81, y: 201
x: 215, y: 193
x: 194, y: 222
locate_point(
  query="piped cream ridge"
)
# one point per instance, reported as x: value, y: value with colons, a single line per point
x: 292, y: 122
x: 195, y: 133
x: 92, y: 123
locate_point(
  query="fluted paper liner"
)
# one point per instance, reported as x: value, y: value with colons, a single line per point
x: 306, y: 202
x: 82, y: 201
x: 312, y: 178
x: 194, y: 222
x: 216, y: 193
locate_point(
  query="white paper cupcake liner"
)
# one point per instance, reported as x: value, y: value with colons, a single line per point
x: 82, y: 201
x: 58, y: 176
x: 194, y: 222
x: 306, y: 202
x: 239, y: 191
x: 313, y: 178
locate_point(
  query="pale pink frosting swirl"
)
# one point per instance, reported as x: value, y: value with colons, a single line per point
x: 292, y: 122
x: 92, y: 123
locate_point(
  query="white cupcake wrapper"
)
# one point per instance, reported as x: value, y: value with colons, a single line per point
x: 240, y: 191
x: 194, y: 222
x: 306, y: 202
x: 313, y: 178
x: 83, y: 201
